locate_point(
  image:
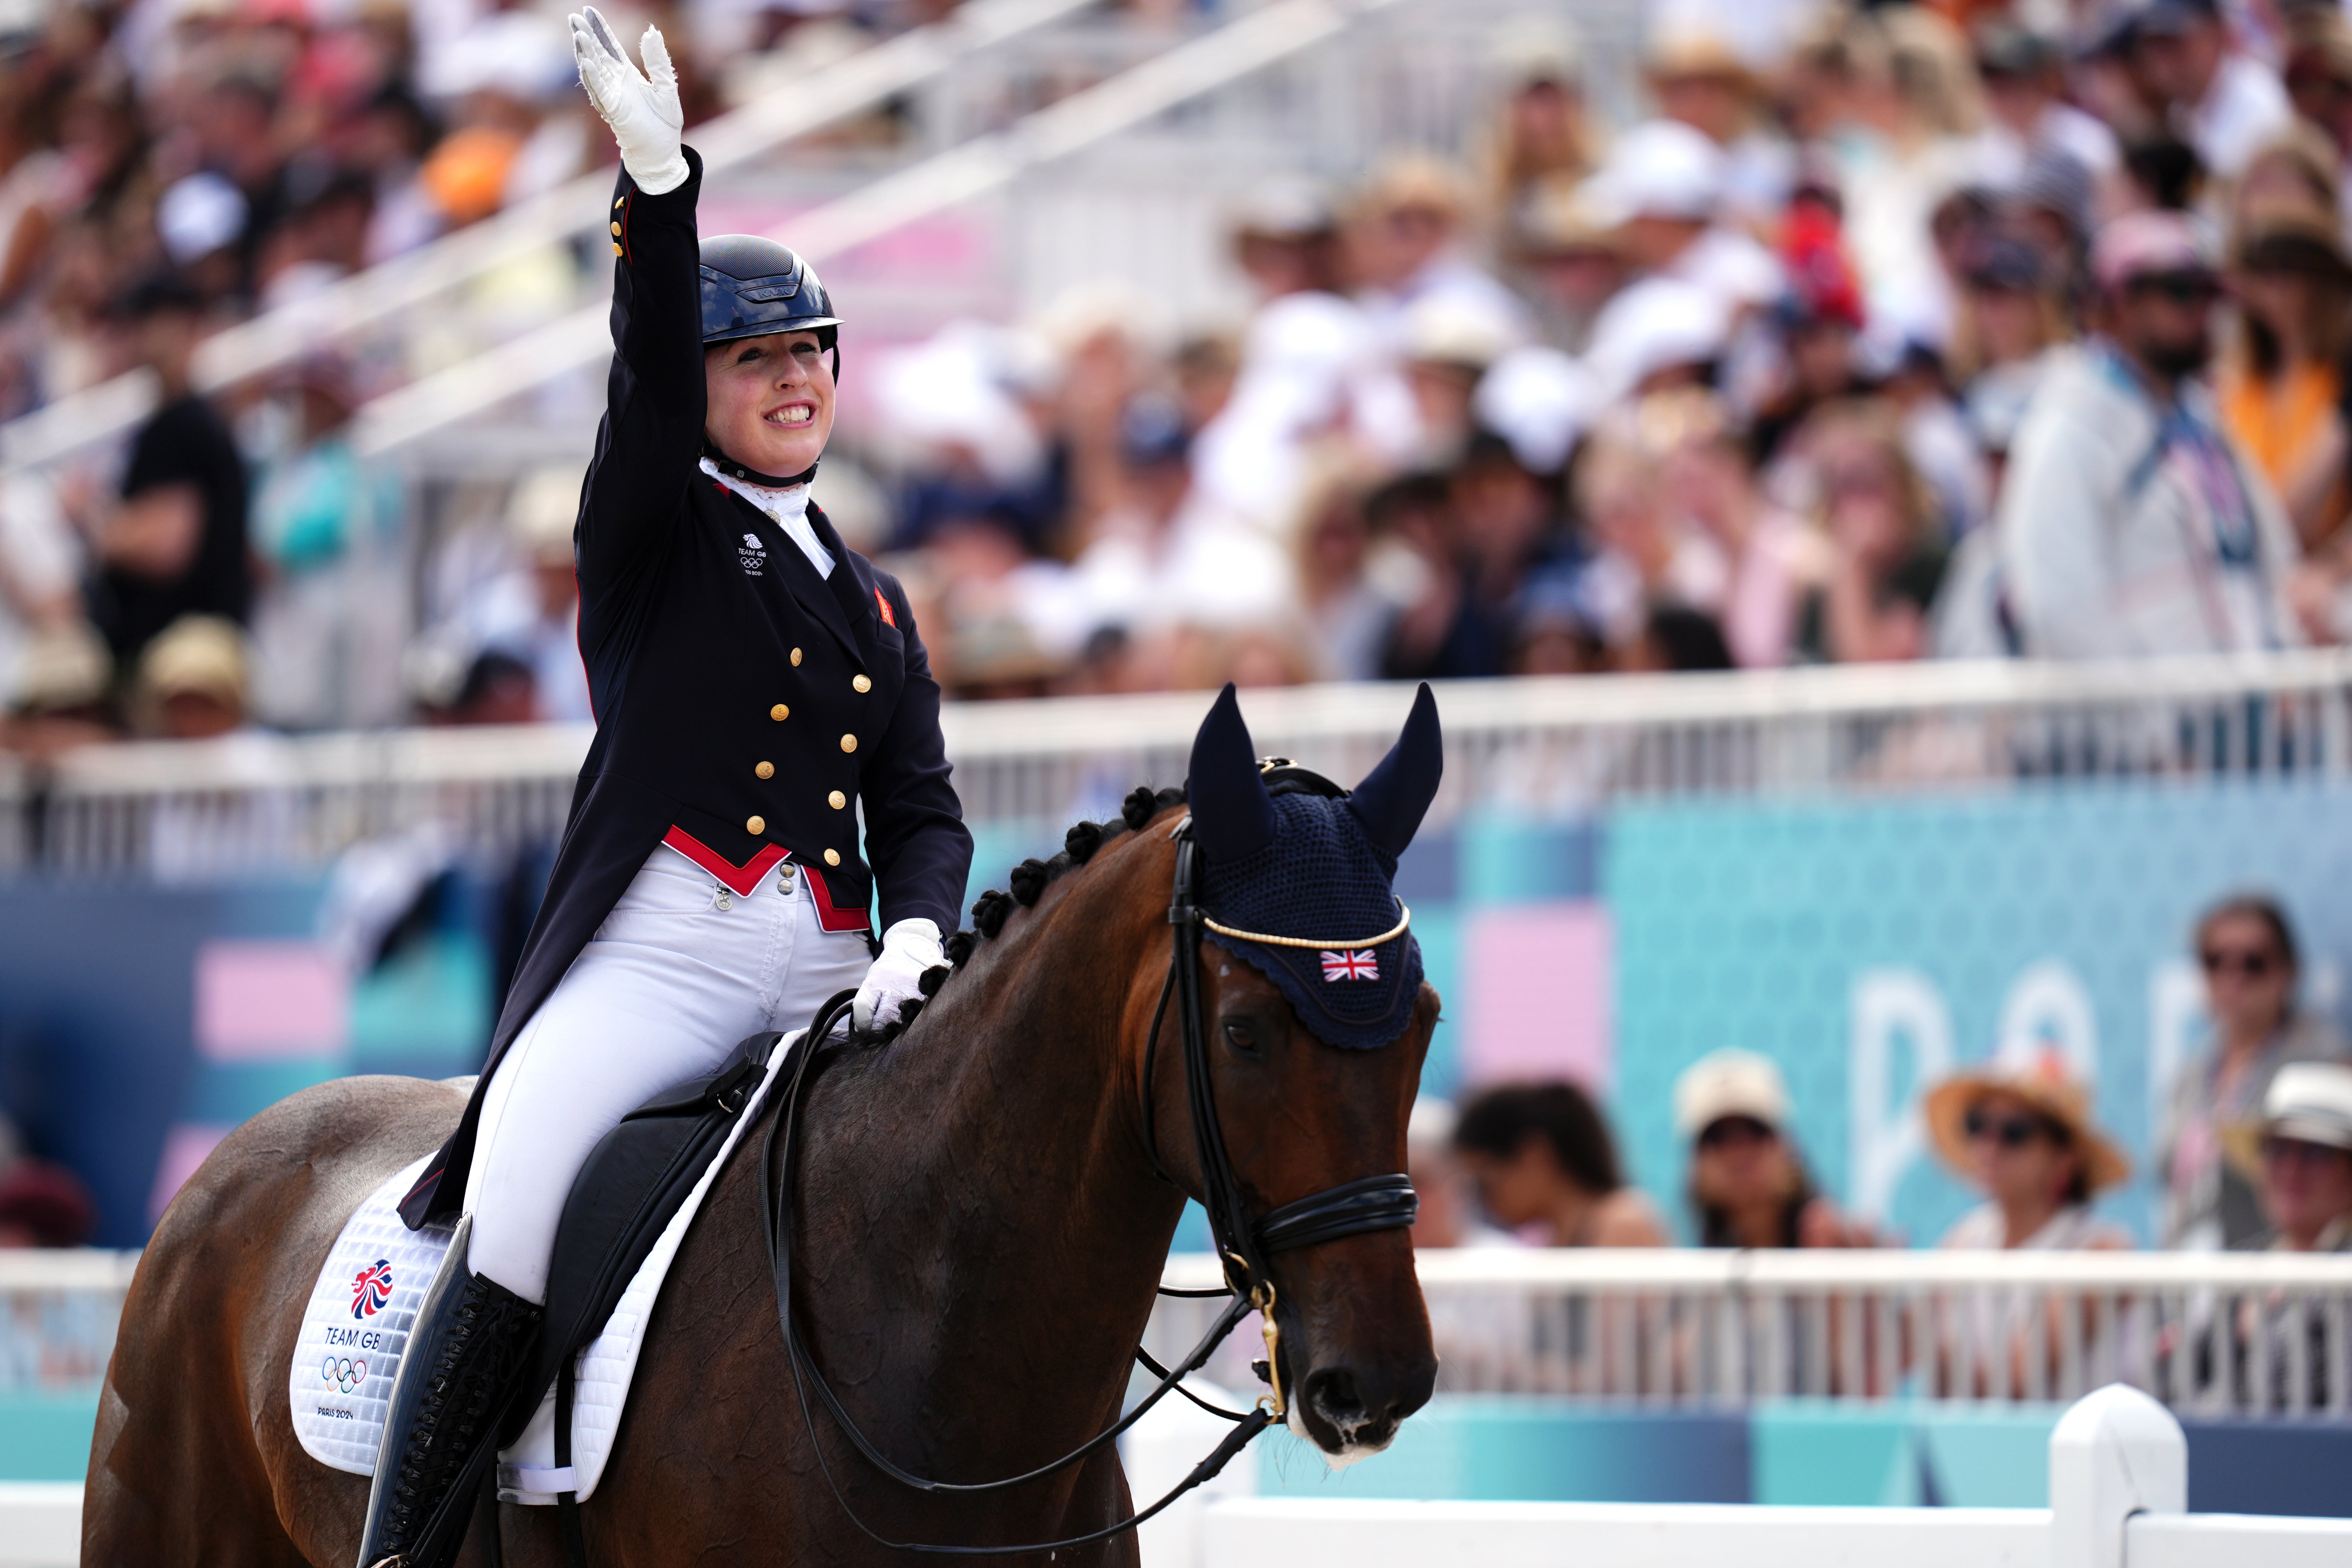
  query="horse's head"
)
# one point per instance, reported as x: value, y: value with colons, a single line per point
x: 1315, y: 1045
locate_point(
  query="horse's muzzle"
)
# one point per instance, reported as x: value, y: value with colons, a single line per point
x: 1350, y: 1409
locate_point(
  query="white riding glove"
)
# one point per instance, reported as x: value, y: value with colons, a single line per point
x: 640, y: 106
x: 909, y: 948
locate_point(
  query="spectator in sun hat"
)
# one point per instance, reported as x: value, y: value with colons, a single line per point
x: 1748, y: 1185
x: 1564, y: 248
x: 1542, y: 1158
x: 1405, y: 235
x: 2246, y: 946
x: 192, y: 678
x: 2021, y: 1133
x: 1664, y: 184
x: 1699, y: 78
x: 2130, y: 524
x: 2303, y: 1147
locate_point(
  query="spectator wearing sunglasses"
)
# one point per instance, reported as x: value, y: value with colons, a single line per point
x: 2130, y: 522
x: 2021, y: 1133
x: 2247, y: 949
x: 1748, y: 1185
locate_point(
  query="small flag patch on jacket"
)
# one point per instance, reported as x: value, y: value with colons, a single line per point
x: 888, y: 619
x: 1358, y: 965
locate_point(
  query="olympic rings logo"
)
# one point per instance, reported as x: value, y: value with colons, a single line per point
x: 345, y: 1375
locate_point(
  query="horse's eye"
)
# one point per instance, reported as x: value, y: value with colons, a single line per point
x: 1242, y: 1037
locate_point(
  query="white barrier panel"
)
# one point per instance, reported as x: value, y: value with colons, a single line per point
x: 2118, y: 1486
x: 2235, y: 1541
x: 1281, y: 1532
x: 40, y: 1524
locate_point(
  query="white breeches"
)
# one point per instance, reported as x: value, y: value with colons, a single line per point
x: 679, y: 973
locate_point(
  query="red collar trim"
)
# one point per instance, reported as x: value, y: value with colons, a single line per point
x: 743, y: 878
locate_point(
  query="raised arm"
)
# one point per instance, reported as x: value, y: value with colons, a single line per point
x: 652, y: 432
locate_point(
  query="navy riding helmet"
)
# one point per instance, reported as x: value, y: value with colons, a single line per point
x: 751, y: 287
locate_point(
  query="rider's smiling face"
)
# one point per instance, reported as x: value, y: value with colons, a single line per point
x: 769, y: 402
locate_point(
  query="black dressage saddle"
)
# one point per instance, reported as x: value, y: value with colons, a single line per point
x: 632, y: 1187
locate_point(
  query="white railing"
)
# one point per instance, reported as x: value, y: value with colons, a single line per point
x: 2219, y: 1333
x: 2118, y: 1499
x: 1555, y: 748
x: 59, y: 1313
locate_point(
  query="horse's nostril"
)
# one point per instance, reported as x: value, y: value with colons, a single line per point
x: 1332, y: 1394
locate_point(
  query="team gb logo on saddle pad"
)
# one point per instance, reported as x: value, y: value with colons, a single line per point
x: 372, y: 1289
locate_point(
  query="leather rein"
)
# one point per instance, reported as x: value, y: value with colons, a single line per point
x: 1244, y: 1245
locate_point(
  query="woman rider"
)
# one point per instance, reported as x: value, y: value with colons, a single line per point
x: 752, y: 677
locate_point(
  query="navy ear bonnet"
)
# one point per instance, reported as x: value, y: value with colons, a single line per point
x: 1321, y: 879
x: 1299, y: 864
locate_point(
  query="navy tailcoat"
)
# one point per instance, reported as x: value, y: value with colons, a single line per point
x: 744, y: 704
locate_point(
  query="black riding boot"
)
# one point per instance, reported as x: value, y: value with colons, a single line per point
x: 471, y: 1345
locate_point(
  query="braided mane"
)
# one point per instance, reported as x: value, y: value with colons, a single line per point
x: 1030, y: 879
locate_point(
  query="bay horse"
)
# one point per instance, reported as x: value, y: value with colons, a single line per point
x: 980, y: 1229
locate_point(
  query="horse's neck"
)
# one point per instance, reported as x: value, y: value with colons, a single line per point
x: 1001, y: 1236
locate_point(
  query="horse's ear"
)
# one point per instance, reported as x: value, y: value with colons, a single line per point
x: 1395, y: 794
x: 1233, y: 816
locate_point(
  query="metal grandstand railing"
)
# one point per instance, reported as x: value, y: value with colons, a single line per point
x: 2217, y: 1333
x: 1551, y: 747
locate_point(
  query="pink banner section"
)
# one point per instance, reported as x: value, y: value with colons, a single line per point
x: 269, y: 1001
x: 184, y: 1148
x: 1539, y: 982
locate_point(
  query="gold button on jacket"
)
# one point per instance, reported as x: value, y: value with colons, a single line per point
x: 780, y: 712
x: 766, y: 770
x: 836, y: 800
x: 833, y: 857
x: 796, y: 657
x: 756, y: 826
x: 859, y: 684
x: 849, y: 742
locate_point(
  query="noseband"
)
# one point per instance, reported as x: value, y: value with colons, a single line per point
x: 1244, y: 1243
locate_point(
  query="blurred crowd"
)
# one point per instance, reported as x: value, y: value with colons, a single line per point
x: 1888, y: 333
x: 2255, y: 1151
x: 1971, y: 330
x: 2253, y: 1154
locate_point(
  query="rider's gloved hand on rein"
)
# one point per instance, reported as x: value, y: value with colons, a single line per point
x: 641, y: 107
x: 909, y: 948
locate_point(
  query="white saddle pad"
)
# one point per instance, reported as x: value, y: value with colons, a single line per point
x: 362, y: 1308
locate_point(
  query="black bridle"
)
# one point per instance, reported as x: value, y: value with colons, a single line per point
x: 1244, y: 1245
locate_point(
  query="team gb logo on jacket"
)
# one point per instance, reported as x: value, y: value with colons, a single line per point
x: 754, y: 554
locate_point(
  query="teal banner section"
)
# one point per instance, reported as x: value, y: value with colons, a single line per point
x: 1871, y: 947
